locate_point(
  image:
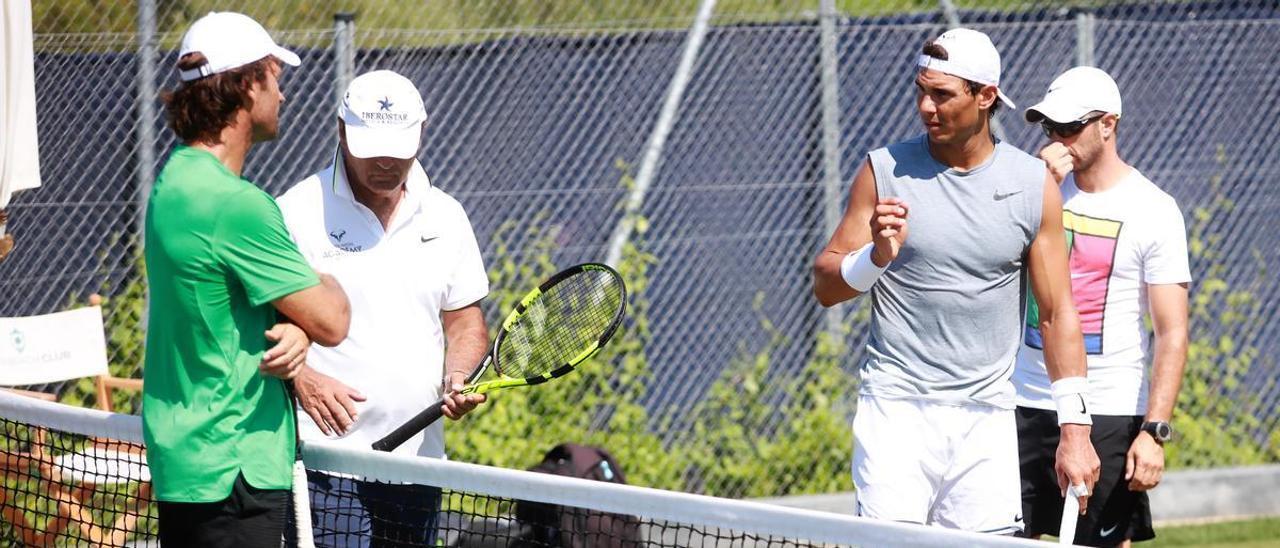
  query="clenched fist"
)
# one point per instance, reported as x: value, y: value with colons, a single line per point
x: 888, y: 230
x: 1058, y: 159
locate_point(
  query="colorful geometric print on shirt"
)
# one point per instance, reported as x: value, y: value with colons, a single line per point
x: 1092, y: 244
x: 1117, y: 251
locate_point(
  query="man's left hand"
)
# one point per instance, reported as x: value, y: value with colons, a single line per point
x: 1144, y: 465
x: 1077, y: 461
x: 456, y: 405
x: 285, y: 358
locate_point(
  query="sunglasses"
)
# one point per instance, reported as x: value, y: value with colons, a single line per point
x: 1069, y: 129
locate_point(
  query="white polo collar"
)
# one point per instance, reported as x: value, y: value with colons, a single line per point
x: 417, y: 187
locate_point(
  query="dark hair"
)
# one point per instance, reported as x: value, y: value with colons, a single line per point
x: 936, y: 51
x: 199, y: 110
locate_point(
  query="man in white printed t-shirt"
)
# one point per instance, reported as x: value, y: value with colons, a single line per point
x: 407, y: 256
x: 1128, y: 258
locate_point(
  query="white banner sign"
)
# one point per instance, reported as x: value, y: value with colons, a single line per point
x: 52, y: 347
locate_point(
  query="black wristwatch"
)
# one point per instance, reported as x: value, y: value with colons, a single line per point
x: 1160, y: 430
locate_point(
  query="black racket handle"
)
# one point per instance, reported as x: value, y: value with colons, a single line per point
x: 407, y: 430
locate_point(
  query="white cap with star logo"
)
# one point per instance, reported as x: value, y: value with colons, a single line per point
x: 383, y: 114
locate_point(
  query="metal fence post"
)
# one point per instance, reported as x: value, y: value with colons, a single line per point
x: 148, y: 57
x: 831, y: 176
x: 344, y: 53
x: 661, y: 129
x: 1084, y: 38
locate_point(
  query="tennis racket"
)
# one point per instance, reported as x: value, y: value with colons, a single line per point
x: 553, y: 329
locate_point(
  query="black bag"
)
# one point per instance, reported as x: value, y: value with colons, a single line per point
x: 566, y: 527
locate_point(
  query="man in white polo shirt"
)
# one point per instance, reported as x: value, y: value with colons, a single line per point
x: 407, y: 256
x: 1128, y: 259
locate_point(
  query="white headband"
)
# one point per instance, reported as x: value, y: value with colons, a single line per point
x: 952, y: 68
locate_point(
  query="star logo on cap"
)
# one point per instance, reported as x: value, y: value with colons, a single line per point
x: 384, y: 103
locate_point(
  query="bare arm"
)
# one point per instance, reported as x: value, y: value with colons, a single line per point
x: 322, y: 311
x: 467, y: 339
x: 1169, y: 319
x: 1051, y: 285
x: 1144, y: 467
x: 882, y: 221
x: 853, y: 232
x: 1076, y: 460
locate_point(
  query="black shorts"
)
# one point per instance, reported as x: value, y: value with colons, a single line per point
x: 1115, y: 513
x: 248, y: 518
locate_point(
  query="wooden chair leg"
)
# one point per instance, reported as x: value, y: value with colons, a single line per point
x: 18, y: 519
x: 123, y: 527
x: 83, y: 517
x: 16, y: 516
x: 68, y: 499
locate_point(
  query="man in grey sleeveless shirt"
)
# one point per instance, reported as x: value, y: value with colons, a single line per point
x: 945, y: 231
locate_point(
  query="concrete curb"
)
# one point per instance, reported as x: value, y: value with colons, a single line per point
x: 1185, y: 496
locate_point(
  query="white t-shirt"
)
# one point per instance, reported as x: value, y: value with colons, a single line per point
x: 398, y: 281
x: 1122, y: 240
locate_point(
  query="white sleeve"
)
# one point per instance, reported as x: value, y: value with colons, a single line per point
x: 469, y: 282
x: 288, y: 211
x: 293, y: 204
x: 1165, y: 260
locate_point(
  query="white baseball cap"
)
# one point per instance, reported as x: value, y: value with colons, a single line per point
x: 383, y: 113
x: 1076, y: 93
x: 970, y: 55
x: 229, y: 40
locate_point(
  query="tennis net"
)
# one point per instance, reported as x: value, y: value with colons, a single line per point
x: 78, y: 477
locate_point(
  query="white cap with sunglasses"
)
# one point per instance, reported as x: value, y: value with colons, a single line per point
x: 1076, y: 94
x: 228, y: 41
x: 970, y: 55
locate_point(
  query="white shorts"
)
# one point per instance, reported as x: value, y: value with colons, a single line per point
x: 952, y: 466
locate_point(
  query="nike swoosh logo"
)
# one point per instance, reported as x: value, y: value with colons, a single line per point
x: 998, y: 196
x: 1082, y: 407
x: 1107, y: 532
x: 426, y: 239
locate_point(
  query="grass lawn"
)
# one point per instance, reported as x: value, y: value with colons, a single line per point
x: 1252, y: 533
x: 1255, y: 533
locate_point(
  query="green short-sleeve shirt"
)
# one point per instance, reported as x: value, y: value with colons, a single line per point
x: 217, y: 254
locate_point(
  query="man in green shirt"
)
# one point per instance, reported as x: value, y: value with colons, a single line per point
x: 233, y: 303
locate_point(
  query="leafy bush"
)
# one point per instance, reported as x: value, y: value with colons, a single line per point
x: 1216, y: 418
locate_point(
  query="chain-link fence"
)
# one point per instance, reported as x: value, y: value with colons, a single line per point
x: 736, y: 153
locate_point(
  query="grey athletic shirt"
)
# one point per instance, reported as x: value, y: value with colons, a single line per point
x: 947, y: 314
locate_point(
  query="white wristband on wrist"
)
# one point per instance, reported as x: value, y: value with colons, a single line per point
x: 858, y: 271
x: 1070, y: 397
